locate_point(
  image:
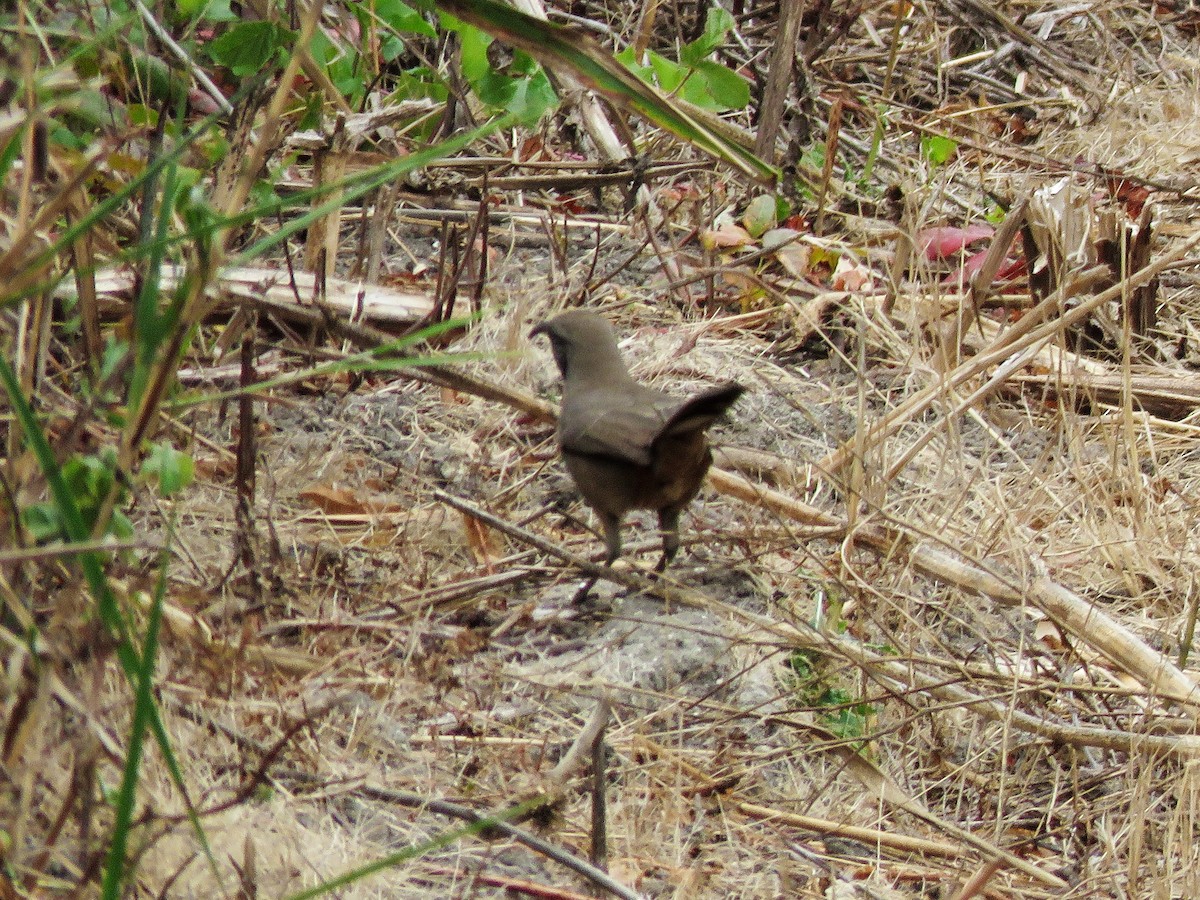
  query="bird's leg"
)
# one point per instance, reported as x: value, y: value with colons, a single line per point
x: 612, y: 539
x: 584, y: 590
x: 668, y: 525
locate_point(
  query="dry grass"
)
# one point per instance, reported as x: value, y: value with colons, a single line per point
x: 879, y: 693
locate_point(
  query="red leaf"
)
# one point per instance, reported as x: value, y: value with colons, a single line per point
x: 943, y: 241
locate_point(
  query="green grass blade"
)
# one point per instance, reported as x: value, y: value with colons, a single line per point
x: 144, y: 712
x: 415, y: 852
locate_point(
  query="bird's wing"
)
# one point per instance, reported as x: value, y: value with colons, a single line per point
x: 625, y: 425
x: 622, y: 428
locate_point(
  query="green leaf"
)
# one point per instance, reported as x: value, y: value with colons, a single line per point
x: 474, y: 63
x: 528, y: 96
x: 814, y: 156
x: 704, y: 83
x: 801, y: 663
x: 43, y: 522
x: 418, y: 83
x: 669, y: 75
x: 390, y: 47
x: 728, y: 89
x: 626, y: 58
x: 119, y: 526
x: 533, y: 96
x: 402, y: 17
x: 191, y: 9
x: 210, y: 10
x: 494, y: 89
x: 760, y: 215
x: 342, y: 63
x: 937, y: 148
x: 263, y: 194
x: 142, y: 115
x: 115, y: 351
x: 173, y: 468
x: 88, y: 480
x: 246, y: 48
x: 156, y: 80
x: 717, y: 24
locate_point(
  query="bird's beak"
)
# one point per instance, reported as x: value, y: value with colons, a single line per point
x: 539, y: 329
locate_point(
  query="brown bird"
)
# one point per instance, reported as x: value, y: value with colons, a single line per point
x: 628, y: 446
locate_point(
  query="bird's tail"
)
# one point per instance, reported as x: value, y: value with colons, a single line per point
x: 702, y: 410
